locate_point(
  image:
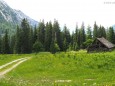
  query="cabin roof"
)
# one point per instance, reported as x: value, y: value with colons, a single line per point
x: 106, y: 42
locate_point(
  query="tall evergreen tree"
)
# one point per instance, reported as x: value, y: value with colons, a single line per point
x: 25, y: 46
x: 17, y: 46
x: 103, y: 32
x: 12, y: 43
x: 0, y: 43
x: 31, y: 39
x: 95, y: 31
x: 35, y: 35
x: 75, y: 39
x: 72, y: 40
x: 111, y: 35
x: 66, y: 38
x: 41, y: 32
x: 82, y: 35
x: 100, y: 33
x: 79, y: 38
x: 48, y: 36
x: 89, y: 33
x: 76, y: 33
x: 57, y: 34
x: 5, y: 44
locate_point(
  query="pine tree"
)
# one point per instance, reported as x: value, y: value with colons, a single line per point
x: 74, y: 38
x: 17, y: 46
x: 41, y: 32
x: 66, y: 38
x: 65, y: 45
x: 31, y: 37
x: 89, y: 33
x: 34, y: 35
x: 5, y: 44
x: 100, y: 32
x: 103, y: 32
x: 95, y: 31
x: 79, y: 38
x: 25, y: 46
x: 0, y: 43
x: 48, y: 36
x: 57, y: 33
x: 111, y: 35
x: 76, y: 33
x: 82, y: 35
x: 12, y: 43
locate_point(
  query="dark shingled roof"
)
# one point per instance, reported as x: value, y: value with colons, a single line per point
x: 106, y: 42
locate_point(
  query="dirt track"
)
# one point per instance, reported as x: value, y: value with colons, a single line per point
x: 19, y: 61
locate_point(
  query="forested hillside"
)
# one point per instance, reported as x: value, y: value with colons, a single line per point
x: 9, y: 18
x: 49, y: 37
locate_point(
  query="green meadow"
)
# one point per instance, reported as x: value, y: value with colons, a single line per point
x: 10, y: 57
x: 75, y: 68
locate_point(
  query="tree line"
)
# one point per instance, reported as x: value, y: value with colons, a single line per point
x: 50, y: 38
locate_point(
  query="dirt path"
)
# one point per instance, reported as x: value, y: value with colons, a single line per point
x: 10, y: 63
x: 19, y: 61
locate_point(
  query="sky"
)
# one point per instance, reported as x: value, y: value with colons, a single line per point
x: 69, y: 12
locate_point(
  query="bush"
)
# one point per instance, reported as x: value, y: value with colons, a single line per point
x: 54, y: 48
x: 37, y: 47
x: 87, y: 43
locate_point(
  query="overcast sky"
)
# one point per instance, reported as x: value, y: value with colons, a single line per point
x: 68, y: 12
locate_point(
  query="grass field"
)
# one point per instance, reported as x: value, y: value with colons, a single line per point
x: 62, y: 69
x: 7, y: 58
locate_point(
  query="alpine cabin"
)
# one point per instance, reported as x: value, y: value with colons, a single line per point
x: 100, y: 44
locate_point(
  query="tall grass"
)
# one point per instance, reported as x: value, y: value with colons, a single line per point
x: 5, y: 58
x: 65, y: 69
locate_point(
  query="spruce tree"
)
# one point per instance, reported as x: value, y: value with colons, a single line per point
x: 41, y: 32
x: 111, y: 35
x: 100, y: 32
x: 57, y: 33
x: 66, y: 38
x: 31, y: 39
x: 76, y: 33
x: 0, y: 43
x: 95, y: 31
x: 89, y: 33
x: 48, y: 36
x: 79, y: 38
x: 12, y: 43
x: 5, y: 44
x: 103, y: 32
x: 25, y: 46
x: 74, y: 39
x: 18, y: 41
x: 82, y: 35
x: 34, y: 35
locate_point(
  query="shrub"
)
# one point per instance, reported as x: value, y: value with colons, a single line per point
x: 37, y: 47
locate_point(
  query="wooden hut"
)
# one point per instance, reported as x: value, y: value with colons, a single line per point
x: 100, y: 44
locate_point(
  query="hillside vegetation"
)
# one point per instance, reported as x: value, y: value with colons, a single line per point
x: 64, y: 69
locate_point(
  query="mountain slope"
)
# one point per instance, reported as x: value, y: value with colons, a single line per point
x: 9, y: 17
